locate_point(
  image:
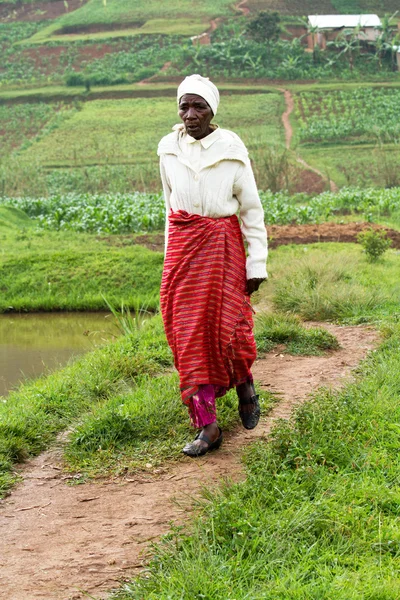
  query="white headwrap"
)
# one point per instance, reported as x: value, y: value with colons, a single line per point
x: 201, y: 86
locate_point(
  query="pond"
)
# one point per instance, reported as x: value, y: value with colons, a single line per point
x: 33, y: 344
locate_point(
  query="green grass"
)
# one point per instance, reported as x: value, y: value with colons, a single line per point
x: 24, y: 123
x: 354, y: 165
x: 69, y: 271
x: 13, y: 218
x: 334, y: 282
x: 318, y: 515
x: 186, y: 27
x: 148, y: 424
x: 126, y: 11
x: 128, y: 131
x: 31, y: 417
x: 173, y: 17
x: 274, y: 328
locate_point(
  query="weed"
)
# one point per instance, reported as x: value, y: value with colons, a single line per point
x: 275, y: 328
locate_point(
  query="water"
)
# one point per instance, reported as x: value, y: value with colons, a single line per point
x: 33, y: 344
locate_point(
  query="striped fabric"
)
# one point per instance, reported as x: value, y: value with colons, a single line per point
x: 206, y: 312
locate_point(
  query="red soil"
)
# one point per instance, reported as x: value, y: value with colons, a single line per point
x: 279, y: 235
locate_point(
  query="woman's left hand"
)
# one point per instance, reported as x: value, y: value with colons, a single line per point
x: 252, y: 285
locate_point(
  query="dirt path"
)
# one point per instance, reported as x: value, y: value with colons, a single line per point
x: 241, y: 6
x: 289, y: 134
x: 59, y: 540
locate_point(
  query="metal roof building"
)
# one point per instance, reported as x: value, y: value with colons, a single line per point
x: 344, y: 21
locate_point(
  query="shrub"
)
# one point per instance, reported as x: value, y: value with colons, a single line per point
x: 375, y: 243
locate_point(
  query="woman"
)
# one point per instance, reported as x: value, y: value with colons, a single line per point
x: 207, y: 281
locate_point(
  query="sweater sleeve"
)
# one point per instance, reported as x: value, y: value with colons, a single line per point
x: 167, y: 195
x: 251, y: 215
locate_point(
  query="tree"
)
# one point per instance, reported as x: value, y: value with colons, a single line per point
x: 312, y: 30
x: 265, y: 27
x: 348, y: 42
x: 388, y: 39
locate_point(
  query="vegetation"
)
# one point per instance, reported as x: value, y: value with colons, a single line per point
x: 317, y: 516
x: 127, y: 132
x: 333, y: 282
x: 24, y: 123
x: 375, y: 243
x: 32, y: 416
x: 363, y: 114
x: 70, y: 271
x: 127, y: 213
x: 125, y: 410
x: 124, y: 11
x: 275, y: 328
x: 265, y: 27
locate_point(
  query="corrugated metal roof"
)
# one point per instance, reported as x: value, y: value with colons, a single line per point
x: 339, y: 21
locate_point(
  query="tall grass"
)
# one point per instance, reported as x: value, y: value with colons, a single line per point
x: 328, y: 288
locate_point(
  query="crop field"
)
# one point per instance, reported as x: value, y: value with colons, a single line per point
x: 128, y: 11
x: 127, y: 213
x: 363, y: 114
x: 175, y: 17
x: 21, y: 124
x: 128, y: 131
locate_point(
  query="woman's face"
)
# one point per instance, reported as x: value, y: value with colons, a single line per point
x: 196, y: 115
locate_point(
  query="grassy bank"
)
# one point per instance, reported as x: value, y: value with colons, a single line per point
x: 317, y: 516
x: 31, y: 417
x: 69, y: 271
x: 124, y: 408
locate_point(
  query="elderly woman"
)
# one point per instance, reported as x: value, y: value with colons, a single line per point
x: 207, y: 280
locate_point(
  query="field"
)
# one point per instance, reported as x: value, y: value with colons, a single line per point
x: 70, y: 271
x: 339, y: 130
x: 87, y: 89
x: 137, y: 18
x: 127, y: 132
x: 362, y: 115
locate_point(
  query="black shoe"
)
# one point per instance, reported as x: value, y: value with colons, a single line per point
x: 250, y: 419
x: 194, y: 450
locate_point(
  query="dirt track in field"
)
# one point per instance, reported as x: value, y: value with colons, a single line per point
x: 58, y: 541
x: 289, y: 134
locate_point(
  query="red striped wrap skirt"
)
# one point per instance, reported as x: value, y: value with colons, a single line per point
x: 206, y: 312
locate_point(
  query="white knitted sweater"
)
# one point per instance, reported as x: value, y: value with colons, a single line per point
x: 213, y: 177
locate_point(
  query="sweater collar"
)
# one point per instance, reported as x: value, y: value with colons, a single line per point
x: 232, y: 150
x: 207, y: 141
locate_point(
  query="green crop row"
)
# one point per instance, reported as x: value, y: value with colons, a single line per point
x: 125, y: 213
x: 362, y: 114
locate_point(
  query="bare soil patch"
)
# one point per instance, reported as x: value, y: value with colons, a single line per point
x: 37, y: 11
x: 279, y: 235
x: 88, y: 538
x: 309, y: 182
